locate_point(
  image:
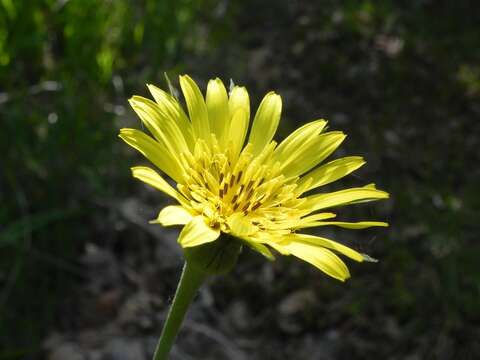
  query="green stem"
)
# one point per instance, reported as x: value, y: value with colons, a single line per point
x: 190, y: 281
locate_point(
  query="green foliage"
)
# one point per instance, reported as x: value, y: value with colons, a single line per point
x: 66, y: 71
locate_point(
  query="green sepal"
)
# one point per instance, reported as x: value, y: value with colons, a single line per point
x: 217, y: 257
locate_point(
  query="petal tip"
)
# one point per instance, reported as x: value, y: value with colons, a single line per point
x: 368, y: 258
x: 185, y: 77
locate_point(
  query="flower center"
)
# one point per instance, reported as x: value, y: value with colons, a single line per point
x: 219, y: 184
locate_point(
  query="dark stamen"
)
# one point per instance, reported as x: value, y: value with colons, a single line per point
x: 256, y: 206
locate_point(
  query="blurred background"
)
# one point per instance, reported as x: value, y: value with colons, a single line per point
x: 83, y: 275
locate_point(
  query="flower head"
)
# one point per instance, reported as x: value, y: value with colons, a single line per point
x: 232, y: 181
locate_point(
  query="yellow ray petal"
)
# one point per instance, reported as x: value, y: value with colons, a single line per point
x: 352, y: 225
x: 281, y: 249
x: 265, y: 122
x: 239, y: 99
x: 320, y: 257
x: 238, y: 132
x: 197, y: 109
x: 152, y: 178
x: 196, y: 232
x: 240, y: 226
x: 170, y: 108
x: 153, y: 151
x: 163, y: 128
x: 262, y: 249
x: 343, y: 197
x: 239, y: 113
x: 319, y: 216
x: 327, y: 243
x: 311, y: 153
x: 173, y: 215
x: 296, y: 139
x: 331, y: 172
x: 217, y: 106
x: 312, y: 220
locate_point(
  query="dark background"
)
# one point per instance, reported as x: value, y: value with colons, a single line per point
x: 83, y: 275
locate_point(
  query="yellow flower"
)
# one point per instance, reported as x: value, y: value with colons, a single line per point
x: 249, y: 187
